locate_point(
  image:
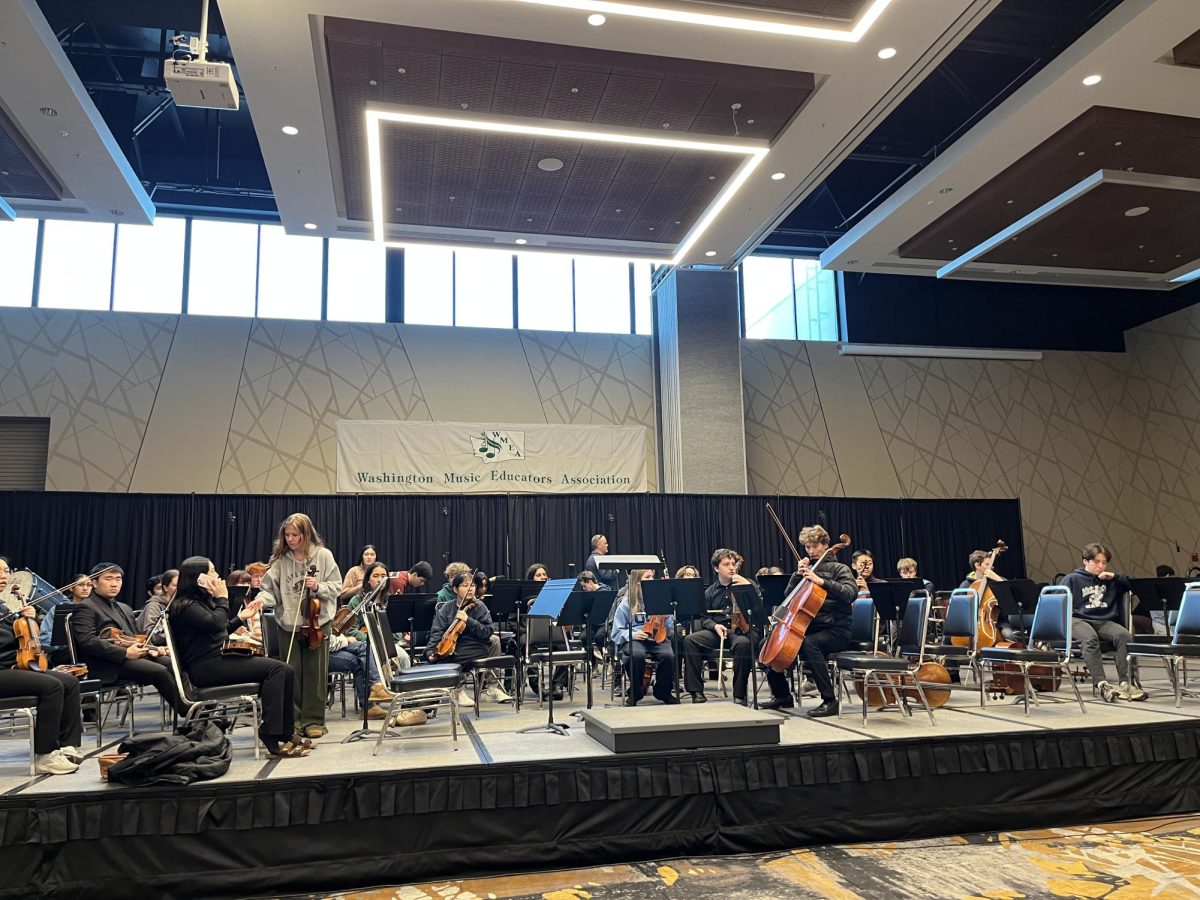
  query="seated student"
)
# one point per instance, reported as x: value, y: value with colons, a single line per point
x: 81, y: 589
x: 635, y: 644
x: 706, y: 638
x: 351, y: 650
x: 981, y: 561
x: 58, y: 731
x: 906, y: 567
x: 201, y: 621
x: 1096, y: 594
x: 538, y: 572
x: 589, y: 582
x: 150, y: 613
x: 414, y: 580
x: 356, y: 574
x: 453, y: 570
x: 108, y: 660
x: 478, y: 639
x: 154, y: 589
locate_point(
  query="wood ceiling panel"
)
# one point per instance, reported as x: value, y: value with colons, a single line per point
x: 659, y: 192
x: 1101, y: 138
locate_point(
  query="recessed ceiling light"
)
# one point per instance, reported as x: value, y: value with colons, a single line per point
x: 64, y: 134
x: 710, y: 252
x: 945, y: 190
x: 311, y: 226
x: 663, y: 12
x: 117, y: 212
x: 596, y: 20
x: 778, y: 176
x: 520, y: 241
x: 1091, y: 79
x: 1135, y: 211
x: 49, y: 111
x: 886, y: 53
x: 550, y: 164
x: 290, y: 129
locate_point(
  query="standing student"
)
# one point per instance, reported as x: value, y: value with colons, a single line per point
x: 288, y: 587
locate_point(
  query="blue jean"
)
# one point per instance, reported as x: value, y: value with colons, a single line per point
x: 356, y: 658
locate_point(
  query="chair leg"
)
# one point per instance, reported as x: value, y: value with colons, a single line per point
x: 476, y: 686
x: 924, y: 700
x: 29, y: 714
x: 1078, y: 696
x: 454, y: 718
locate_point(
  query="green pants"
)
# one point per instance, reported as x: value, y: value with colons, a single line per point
x: 312, y: 681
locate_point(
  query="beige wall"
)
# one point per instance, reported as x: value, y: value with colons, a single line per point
x: 181, y: 404
x: 1096, y: 446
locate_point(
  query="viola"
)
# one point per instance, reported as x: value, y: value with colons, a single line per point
x: 449, y: 641
x: 656, y: 629
x: 737, y: 619
x: 243, y: 643
x: 311, y: 632
x: 30, y: 654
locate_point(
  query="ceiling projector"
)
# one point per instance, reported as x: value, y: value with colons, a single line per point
x: 198, y: 82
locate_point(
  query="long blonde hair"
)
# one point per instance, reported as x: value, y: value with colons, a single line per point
x: 302, y: 524
x: 633, y: 591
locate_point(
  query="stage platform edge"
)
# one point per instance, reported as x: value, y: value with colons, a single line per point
x: 625, y: 729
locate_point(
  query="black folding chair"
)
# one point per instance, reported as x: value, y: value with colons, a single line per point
x: 1184, y: 645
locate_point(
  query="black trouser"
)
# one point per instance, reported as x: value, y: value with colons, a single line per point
x: 664, y: 676
x: 58, y: 723
x: 703, y: 643
x: 277, y: 690
x: 154, y: 671
x: 818, y: 644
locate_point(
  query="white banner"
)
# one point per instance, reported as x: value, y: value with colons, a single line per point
x: 487, y: 458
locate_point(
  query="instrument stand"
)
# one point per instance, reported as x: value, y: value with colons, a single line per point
x: 550, y: 604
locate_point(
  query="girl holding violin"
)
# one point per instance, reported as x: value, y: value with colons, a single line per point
x: 201, y: 621
x: 829, y: 631
x: 651, y: 638
x: 59, y: 728
x: 350, y: 651
x: 302, y: 584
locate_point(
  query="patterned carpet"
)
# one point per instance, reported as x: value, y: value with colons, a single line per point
x: 1134, y: 860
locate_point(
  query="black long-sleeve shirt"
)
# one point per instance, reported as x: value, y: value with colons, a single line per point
x: 479, y: 628
x: 841, y: 588
x: 720, y: 605
x: 200, y: 628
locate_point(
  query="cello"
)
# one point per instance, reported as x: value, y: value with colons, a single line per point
x: 986, y: 632
x: 782, y: 645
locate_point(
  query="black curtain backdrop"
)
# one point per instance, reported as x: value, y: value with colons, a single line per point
x: 59, y: 534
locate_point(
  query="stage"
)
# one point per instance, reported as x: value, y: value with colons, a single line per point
x: 505, y: 801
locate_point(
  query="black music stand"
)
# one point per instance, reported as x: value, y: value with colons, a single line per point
x: 1160, y: 595
x: 774, y: 589
x: 1017, y: 599
x: 754, y: 608
x: 512, y: 597
x: 554, y: 602
x: 599, y: 603
x: 676, y: 596
x: 411, y: 613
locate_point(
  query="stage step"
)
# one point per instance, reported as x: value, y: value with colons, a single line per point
x: 684, y: 727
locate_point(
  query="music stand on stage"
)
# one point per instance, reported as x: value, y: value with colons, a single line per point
x: 511, y: 597
x: 596, y: 607
x: 674, y: 596
x: 1017, y: 599
x: 411, y: 613
x: 554, y: 602
x: 890, y: 598
x: 754, y: 608
x: 1159, y: 595
x: 774, y: 589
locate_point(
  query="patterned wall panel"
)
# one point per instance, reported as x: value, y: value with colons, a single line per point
x: 787, y: 445
x: 586, y: 379
x: 95, y: 375
x: 299, y: 379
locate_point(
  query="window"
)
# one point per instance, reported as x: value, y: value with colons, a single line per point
x: 428, y: 286
x: 483, y: 288
x: 18, y: 250
x: 602, y: 295
x: 77, y: 259
x: 544, y: 299
x: 224, y: 268
x: 289, y: 274
x: 149, y: 274
x: 356, y: 282
x: 788, y: 299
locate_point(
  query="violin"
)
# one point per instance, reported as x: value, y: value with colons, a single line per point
x: 30, y: 654
x: 346, y: 618
x: 311, y: 632
x: 449, y: 641
x: 656, y: 629
x: 737, y: 619
x: 121, y: 639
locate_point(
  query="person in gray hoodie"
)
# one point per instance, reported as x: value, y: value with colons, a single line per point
x: 1096, y: 594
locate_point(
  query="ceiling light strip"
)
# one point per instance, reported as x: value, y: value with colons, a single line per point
x: 710, y: 215
x: 737, y: 23
x: 1025, y: 222
x: 524, y: 250
x: 1187, y: 277
x: 7, y: 213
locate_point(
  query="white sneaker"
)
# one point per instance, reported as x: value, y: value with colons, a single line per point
x: 1129, y: 692
x: 53, y: 763
x: 465, y: 699
x: 497, y: 694
x: 1108, y: 693
x: 73, y: 754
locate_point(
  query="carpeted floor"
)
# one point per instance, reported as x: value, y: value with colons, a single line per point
x: 1148, y: 858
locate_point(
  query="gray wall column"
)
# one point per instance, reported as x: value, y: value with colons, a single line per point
x: 698, y: 329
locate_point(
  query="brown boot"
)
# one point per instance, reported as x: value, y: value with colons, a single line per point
x: 410, y: 717
x: 376, y: 712
x: 379, y: 693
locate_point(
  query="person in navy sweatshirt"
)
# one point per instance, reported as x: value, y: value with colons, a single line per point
x: 1096, y: 594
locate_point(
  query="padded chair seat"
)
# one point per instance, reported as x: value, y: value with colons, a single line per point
x: 949, y: 650
x: 225, y: 691
x: 1140, y: 647
x: 560, y: 656
x: 10, y: 703
x: 90, y: 685
x: 1152, y: 638
x: 418, y: 679
x: 1005, y: 654
x: 429, y: 668
x: 878, y: 663
x: 854, y: 648
x: 492, y: 662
